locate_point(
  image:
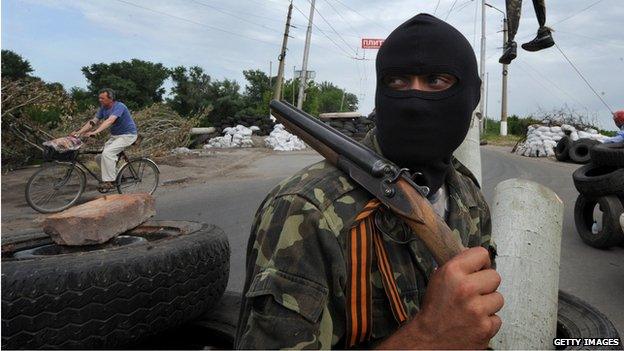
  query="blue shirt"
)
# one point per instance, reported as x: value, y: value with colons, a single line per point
x: 124, y: 124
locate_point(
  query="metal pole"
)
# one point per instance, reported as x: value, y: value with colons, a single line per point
x: 306, y: 52
x: 293, y: 84
x: 487, y: 97
x: 482, y: 64
x: 270, y: 73
x: 503, y: 125
x: 342, y: 101
x: 282, y: 57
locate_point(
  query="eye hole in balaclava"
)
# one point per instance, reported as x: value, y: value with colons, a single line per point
x: 420, y: 129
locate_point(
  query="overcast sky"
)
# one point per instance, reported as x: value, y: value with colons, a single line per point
x: 226, y: 37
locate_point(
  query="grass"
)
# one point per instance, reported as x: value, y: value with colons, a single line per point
x: 496, y: 139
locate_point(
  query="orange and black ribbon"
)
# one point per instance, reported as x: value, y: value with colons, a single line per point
x: 363, y: 237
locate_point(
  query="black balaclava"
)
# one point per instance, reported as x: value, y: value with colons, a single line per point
x: 416, y: 129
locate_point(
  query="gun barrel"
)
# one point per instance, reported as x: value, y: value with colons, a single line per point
x: 336, y: 141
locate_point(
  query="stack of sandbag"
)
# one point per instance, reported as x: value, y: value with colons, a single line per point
x: 239, y: 136
x: 281, y: 140
x: 542, y: 141
x: 263, y: 122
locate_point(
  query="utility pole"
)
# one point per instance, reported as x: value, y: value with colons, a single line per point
x: 270, y: 73
x: 277, y: 94
x: 342, y: 101
x: 306, y: 52
x: 487, y: 96
x: 503, y: 125
x: 482, y: 64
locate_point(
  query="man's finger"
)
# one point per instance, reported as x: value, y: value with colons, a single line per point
x: 492, y: 303
x: 473, y: 259
x: 497, y: 322
x: 486, y: 280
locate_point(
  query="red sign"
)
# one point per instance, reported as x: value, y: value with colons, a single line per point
x: 371, y: 43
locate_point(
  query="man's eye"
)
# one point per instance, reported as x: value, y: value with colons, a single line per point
x: 397, y: 83
x: 439, y: 82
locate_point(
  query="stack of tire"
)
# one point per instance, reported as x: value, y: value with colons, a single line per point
x: 601, y: 182
x: 355, y: 128
x: 576, y: 151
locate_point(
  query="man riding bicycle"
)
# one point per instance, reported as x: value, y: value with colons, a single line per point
x: 116, y: 115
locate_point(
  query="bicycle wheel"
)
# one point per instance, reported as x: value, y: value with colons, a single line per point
x: 55, y: 187
x: 138, y: 176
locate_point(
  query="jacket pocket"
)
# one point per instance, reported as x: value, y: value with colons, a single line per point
x: 300, y: 295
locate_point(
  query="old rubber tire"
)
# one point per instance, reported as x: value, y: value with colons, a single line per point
x: 580, y: 150
x: 115, y: 296
x: 611, y: 233
x: 214, y: 330
x: 608, y: 155
x: 595, y: 181
x: 577, y: 319
x: 562, y: 150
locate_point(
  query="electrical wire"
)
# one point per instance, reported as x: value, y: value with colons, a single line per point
x: 579, y: 12
x: 346, y: 53
x: 450, y: 10
x: 359, y: 14
x: 332, y: 28
x: 344, y: 19
x: 545, y: 77
x: 584, y: 79
x: 225, y: 12
x: 195, y: 22
x: 436, y: 8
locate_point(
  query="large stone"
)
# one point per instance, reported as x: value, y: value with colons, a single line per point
x: 99, y: 220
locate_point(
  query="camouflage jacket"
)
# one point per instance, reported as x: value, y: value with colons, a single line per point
x: 294, y: 294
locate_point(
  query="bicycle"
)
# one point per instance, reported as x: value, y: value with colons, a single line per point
x: 62, y: 179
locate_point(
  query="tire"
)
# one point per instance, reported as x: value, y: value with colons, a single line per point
x: 147, y: 181
x: 562, y: 150
x: 608, y: 155
x: 595, y: 181
x: 577, y: 319
x: 214, y: 330
x: 111, y: 296
x: 611, y: 233
x: 64, y: 181
x: 580, y: 150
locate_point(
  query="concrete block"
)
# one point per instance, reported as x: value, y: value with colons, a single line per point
x: 527, y: 221
x: 99, y: 220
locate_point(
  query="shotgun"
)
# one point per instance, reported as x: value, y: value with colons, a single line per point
x: 393, y: 186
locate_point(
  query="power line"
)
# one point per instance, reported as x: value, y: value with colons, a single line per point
x: 195, y: 22
x: 583, y: 77
x: 583, y: 10
x: 436, y: 8
x: 225, y: 12
x: 344, y: 19
x: 450, y: 10
x: 359, y: 14
x: 545, y: 77
x: 334, y: 29
x: 323, y: 32
x: 606, y: 42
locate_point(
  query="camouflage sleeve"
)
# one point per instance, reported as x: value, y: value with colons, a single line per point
x: 293, y: 260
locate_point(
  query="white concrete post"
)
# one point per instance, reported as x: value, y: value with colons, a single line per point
x: 469, y: 152
x: 527, y: 222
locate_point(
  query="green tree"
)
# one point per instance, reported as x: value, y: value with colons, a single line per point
x: 84, y: 99
x: 137, y: 83
x: 192, y: 92
x: 14, y: 66
x: 331, y: 99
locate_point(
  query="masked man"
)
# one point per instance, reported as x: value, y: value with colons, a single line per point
x: 318, y: 278
x: 542, y: 40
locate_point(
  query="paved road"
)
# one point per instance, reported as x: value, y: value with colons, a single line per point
x: 594, y: 275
